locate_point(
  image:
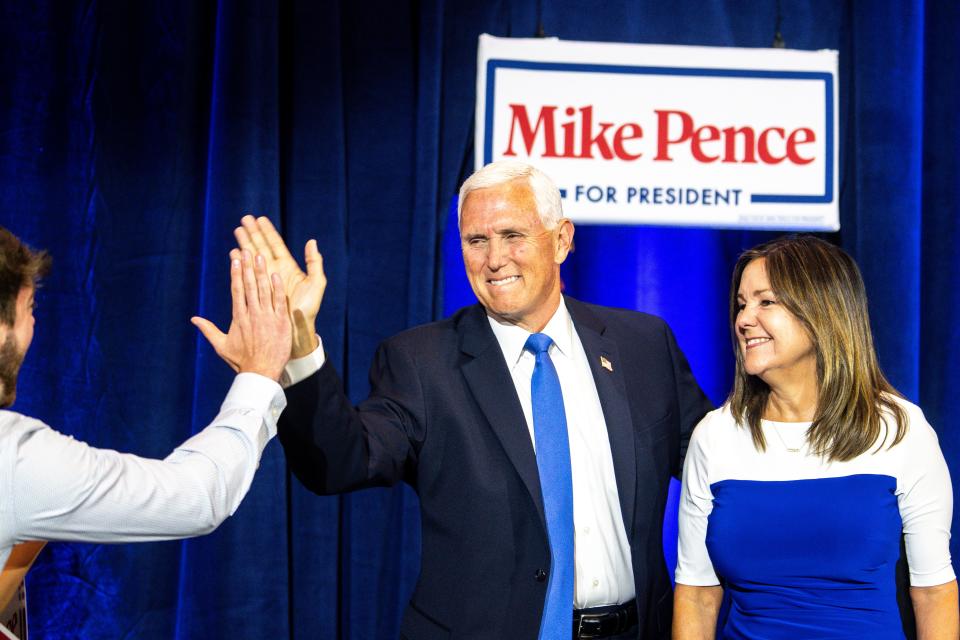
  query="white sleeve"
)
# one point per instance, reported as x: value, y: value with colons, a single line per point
x: 696, y: 502
x: 925, y: 498
x: 299, y: 369
x: 67, y: 490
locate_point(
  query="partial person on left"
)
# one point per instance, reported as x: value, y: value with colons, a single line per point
x: 53, y: 487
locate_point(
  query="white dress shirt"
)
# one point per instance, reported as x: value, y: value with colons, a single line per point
x: 604, y: 573
x: 53, y: 487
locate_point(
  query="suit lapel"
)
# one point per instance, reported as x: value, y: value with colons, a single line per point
x: 490, y: 382
x: 612, y: 390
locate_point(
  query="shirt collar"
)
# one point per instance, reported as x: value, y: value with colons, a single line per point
x: 512, y: 338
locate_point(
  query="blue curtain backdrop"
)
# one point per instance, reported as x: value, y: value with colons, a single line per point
x: 134, y: 135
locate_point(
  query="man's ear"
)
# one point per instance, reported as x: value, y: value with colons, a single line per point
x: 564, y: 240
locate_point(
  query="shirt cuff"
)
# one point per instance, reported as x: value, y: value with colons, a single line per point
x: 302, y: 368
x: 934, y: 579
x: 705, y: 578
x: 253, y: 400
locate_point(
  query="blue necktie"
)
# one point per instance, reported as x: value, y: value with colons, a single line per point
x: 553, y: 462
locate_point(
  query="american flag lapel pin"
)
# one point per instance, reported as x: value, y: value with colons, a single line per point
x: 606, y: 364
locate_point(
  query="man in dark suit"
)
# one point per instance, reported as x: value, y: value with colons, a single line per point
x: 529, y: 529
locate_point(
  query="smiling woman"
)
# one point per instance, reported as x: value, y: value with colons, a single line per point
x: 797, y: 490
x: 775, y: 345
x: 813, y: 298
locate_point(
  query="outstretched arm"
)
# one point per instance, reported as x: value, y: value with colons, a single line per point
x: 326, y: 440
x: 67, y: 490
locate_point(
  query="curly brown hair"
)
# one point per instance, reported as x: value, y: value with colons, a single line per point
x: 20, y: 266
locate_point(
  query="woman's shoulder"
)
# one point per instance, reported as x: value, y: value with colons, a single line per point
x: 917, y: 430
x: 910, y: 408
x: 716, y: 427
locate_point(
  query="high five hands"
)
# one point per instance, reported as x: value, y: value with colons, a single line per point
x: 257, y: 327
x: 304, y: 290
x: 260, y: 337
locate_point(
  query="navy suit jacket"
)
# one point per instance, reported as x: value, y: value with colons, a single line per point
x: 443, y: 415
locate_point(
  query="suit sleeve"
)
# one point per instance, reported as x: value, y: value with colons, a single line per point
x: 332, y: 446
x: 693, y: 403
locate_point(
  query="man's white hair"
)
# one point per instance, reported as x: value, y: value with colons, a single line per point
x: 545, y: 192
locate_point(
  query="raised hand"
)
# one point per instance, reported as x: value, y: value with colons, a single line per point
x: 304, y: 290
x: 260, y: 336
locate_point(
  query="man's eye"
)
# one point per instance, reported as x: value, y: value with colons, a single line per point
x: 476, y: 242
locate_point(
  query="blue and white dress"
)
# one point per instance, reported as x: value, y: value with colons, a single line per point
x: 807, y: 548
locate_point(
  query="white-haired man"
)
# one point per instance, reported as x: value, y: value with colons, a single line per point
x: 539, y: 432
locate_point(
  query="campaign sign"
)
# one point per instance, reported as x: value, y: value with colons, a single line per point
x: 667, y: 135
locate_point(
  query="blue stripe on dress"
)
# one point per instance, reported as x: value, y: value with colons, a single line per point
x: 808, y: 558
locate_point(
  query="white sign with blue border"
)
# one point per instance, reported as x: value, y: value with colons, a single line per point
x: 667, y: 135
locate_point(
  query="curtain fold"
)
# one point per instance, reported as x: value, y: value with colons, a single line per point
x: 939, y: 268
